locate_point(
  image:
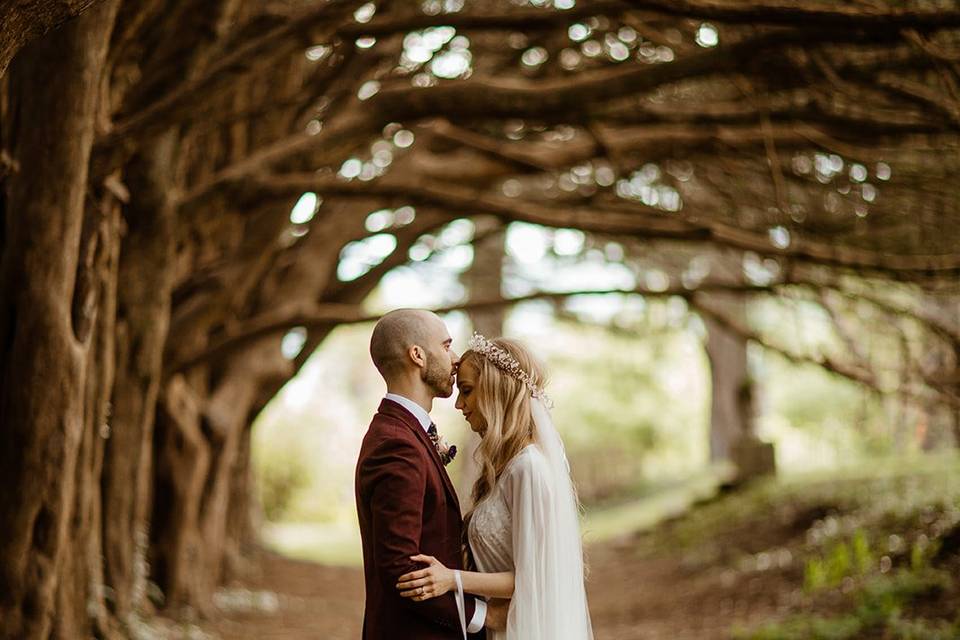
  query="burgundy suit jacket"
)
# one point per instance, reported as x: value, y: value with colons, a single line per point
x: 406, y: 505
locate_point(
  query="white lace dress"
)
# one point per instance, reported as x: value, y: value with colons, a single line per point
x: 517, y: 528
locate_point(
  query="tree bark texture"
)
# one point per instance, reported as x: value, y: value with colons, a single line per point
x: 50, y: 297
x: 143, y: 313
x: 731, y: 410
x: 21, y: 22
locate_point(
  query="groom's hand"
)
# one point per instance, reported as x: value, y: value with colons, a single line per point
x: 423, y: 584
x: 497, y: 610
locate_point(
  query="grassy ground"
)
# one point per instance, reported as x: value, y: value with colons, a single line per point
x: 871, y: 552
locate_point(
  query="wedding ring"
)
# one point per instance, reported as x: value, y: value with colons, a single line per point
x: 421, y: 591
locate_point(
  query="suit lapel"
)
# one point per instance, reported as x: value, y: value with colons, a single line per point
x: 393, y: 409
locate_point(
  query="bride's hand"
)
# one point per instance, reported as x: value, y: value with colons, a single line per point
x: 430, y: 582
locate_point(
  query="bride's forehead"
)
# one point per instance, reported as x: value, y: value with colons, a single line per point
x: 467, y: 370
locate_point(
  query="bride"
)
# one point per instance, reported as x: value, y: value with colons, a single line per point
x: 523, y: 530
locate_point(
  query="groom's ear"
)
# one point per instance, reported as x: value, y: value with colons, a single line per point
x: 417, y: 355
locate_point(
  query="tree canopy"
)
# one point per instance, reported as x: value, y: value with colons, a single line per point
x: 181, y: 181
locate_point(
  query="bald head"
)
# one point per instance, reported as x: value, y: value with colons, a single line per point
x: 396, y: 332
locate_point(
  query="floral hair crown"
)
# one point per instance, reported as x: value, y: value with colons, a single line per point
x: 508, y: 364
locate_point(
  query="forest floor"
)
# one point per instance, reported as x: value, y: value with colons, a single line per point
x: 852, y: 556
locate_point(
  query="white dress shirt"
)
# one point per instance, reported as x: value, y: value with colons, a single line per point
x: 480, y: 612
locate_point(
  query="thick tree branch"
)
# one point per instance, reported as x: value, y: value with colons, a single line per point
x: 517, y: 19
x: 810, y: 14
x: 23, y: 22
x: 542, y: 156
x: 562, y: 100
x: 576, y: 97
x: 195, y: 90
x: 862, y: 376
x: 325, y: 315
x: 855, y: 373
x: 629, y: 218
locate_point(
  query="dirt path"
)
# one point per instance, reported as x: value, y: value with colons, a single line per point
x: 631, y: 597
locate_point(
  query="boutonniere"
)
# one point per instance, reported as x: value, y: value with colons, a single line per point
x: 446, y: 450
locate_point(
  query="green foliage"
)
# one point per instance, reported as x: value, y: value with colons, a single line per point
x: 846, y: 559
x: 922, y: 551
x: 883, y: 598
x: 883, y: 497
x: 878, y: 613
x: 923, y: 629
x: 282, y: 473
x: 805, y: 628
x: 814, y: 575
x: 305, y: 443
x: 839, y: 563
x: 631, y: 410
x: 810, y: 410
x: 889, y: 517
x: 615, y: 386
x: 863, y: 559
x: 282, y: 469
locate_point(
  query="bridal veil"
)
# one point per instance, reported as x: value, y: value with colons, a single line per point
x: 549, y: 598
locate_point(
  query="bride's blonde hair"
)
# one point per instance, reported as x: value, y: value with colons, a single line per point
x: 504, y: 401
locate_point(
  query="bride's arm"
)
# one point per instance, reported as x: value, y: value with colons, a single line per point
x: 490, y: 585
x: 436, y: 580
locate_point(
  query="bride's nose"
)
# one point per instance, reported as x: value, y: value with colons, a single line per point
x: 459, y: 404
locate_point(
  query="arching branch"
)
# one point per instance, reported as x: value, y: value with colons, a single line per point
x: 630, y: 218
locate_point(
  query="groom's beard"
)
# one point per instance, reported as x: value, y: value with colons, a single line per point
x: 438, y: 378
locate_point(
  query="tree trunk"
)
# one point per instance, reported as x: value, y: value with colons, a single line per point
x: 48, y: 316
x: 181, y: 462
x: 199, y: 443
x: 244, y: 517
x: 732, y: 404
x: 146, y: 280
x: 730, y: 415
x: 483, y: 280
x: 229, y: 408
x: 81, y: 599
x: 945, y: 309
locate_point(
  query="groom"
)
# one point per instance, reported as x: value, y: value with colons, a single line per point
x: 405, y: 501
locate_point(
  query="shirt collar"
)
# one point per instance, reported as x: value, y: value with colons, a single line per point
x: 418, y: 412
